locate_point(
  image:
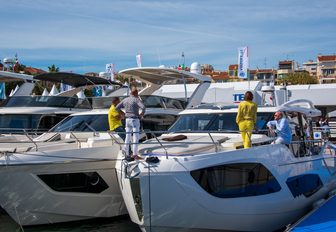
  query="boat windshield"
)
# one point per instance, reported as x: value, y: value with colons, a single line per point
x: 47, y: 101
x: 151, y: 101
x: 15, y: 123
x: 215, y: 122
x: 83, y: 123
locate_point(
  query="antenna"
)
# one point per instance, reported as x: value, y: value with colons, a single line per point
x: 183, y: 59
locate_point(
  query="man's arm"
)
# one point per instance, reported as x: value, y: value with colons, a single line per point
x: 271, y: 124
x: 120, y: 105
x: 142, y: 107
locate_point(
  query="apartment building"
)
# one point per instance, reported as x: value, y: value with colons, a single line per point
x: 326, y: 68
x: 311, y: 67
x: 285, y: 67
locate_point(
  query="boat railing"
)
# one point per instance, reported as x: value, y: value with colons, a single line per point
x: 177, y: 138
x: 299, y: 146
x: 21, y: 131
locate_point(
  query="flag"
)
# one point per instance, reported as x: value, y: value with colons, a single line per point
x: 110, y: 69
x: 2, y: 91
x: 138, y: 60
x: 243, y: 62
x: 98, y: 91
x: 64, y: 87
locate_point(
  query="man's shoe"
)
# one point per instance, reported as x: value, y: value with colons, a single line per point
x: 129, y: 158
x: 136, y: 157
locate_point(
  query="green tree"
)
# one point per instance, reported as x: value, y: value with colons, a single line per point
x: 300, y: 78
x: 53, y: 68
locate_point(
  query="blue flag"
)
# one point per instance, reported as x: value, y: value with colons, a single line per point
x: 2, y: 91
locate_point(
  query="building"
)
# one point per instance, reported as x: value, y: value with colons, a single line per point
x: 33, y: 71
x: 285, y: 67
x: 262, y: 74
x: 326, y: 66
x: 311, y: 67
x: 217, y: 76
x: 233, y: 71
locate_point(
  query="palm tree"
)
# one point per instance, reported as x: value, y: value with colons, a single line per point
x: 53, y: 68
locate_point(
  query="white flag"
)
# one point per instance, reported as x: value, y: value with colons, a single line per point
x: 243, y: 62
x: 110, y: 69
x: 138, y: 60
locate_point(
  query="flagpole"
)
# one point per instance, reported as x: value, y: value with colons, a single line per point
x: 248, y: 76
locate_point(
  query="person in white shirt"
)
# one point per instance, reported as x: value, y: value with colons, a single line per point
x: 281, y: 127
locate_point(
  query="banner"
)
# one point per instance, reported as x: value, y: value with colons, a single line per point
x: 138, y: 60
x: 243, y: 62
x: 2, y: 91
x: 110, y: 69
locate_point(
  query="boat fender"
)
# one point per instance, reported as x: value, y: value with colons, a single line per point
x: 152, y: 159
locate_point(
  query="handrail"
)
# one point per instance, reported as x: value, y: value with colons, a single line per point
x: 216, y: 148
x: 160, y: 144
x: 78, y: 141
x: 31, y: 140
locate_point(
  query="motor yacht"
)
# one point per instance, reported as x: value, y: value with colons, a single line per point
x: 198, y: 176
x: 69, y: 173
x: 32, y: 115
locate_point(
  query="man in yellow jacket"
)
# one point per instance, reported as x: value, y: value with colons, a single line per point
x: 247, y: 118
x: 115, y: 117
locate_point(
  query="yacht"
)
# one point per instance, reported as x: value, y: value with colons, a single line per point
x: 69, y: 173
x: 31, y: 114
x: 198, y: 177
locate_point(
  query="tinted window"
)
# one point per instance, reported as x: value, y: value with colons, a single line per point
x: 83, y: 123
x: 48, y: 121
x: 236, y: 180
x: 215, y: 122
x: 16, y: 122
x: 47, y: 101
x: 157, y: 122
x: 88, y: 182
x: 306, y: 184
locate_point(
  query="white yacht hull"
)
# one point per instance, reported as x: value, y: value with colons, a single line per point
x: 170, y: 199
x: 30, y: 200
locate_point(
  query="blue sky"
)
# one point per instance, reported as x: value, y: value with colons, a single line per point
x: 83, y: 35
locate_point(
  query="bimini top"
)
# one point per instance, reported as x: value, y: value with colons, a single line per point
x: 303, y: 106
x: 11, y: 77
x: 74, y: 79
x: 160, y: 76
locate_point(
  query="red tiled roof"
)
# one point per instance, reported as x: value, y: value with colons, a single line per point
x: 326, y: 58
x: 233, y: 66
x: 220, y: 76
x: 285, y: 62
x: 31, y: 70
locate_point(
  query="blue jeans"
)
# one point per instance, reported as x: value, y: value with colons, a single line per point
x: 121, y: 135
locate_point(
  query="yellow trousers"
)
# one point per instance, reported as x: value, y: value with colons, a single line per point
x: 246, y: 128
